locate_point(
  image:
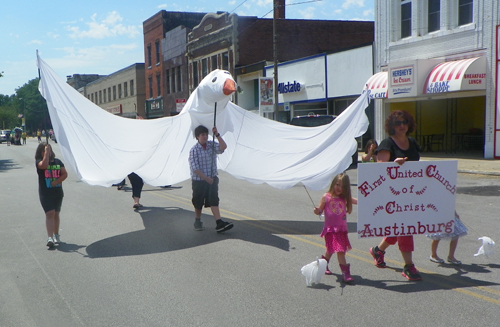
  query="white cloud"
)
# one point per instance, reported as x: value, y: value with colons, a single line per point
x: 35, y: 42
x: 348, y: 3
x: 265, y: 3
x: 368, y: 12
x: 53, y: 35
x: 338, y: 11
x: 108, y: 27
x: 308, y: 13
x: 163, y: 6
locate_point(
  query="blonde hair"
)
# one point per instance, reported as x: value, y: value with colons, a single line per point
x: 346, y: 190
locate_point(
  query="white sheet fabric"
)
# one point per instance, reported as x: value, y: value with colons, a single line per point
x: 102, y: 148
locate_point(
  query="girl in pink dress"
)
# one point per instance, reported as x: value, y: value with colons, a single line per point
x: 336, y: 204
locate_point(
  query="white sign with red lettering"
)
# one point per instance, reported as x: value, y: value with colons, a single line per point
x: 415, y: 198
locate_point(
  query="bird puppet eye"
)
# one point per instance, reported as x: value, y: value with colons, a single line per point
x: 215, y: 78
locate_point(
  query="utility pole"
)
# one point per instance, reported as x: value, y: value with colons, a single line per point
x: 275, y: 52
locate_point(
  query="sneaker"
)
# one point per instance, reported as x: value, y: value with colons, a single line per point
x: 223, y: 226
x: 411, y: 273
x: 198, y: 225
x: 378, y: 256
x: 56, y: 238
x: 50, y: 242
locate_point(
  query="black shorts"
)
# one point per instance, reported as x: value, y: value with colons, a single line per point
x: 51, y: 202
x: 205, y: 194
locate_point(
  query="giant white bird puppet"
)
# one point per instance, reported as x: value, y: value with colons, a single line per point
x: 102, y: 148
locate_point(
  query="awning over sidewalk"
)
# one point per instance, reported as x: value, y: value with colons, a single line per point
x: 458, y: 75
x: 376, y: 86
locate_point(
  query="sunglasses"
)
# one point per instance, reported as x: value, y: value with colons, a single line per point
x: 401, y: 122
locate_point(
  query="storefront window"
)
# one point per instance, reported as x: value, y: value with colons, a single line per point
x: 434, y: 9
x: 405, y: 18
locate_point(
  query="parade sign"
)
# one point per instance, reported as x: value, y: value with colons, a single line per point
x: 415, y: 198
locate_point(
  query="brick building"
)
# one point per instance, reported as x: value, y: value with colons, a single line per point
x: 155, y: 29
x: 228, y: 41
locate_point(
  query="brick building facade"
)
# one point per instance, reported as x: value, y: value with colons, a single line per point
x: 154, y: 29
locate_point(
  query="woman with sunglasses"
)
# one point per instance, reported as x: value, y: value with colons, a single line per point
x: 399, y: 148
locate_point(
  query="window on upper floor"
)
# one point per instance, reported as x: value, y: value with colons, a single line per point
x: 109, y: 94
x: 149, y: 55
x: 405, y: 18
x: 100, y: 96
x: 125, y: 89
x: 114, y: 92
x: 131, y: 87
x: 119, y: 91
x: 204, y: 67
x: 179, y: 79
x: 150, y: 84
x: 167, y: 81
x: 195, y: 74
x: 465, y: 12
x: 214, y: 62
x: 225, y: 61
x: 434, y: 11
x: 157, y: 48
x: 158, y: 84
x: 104, y: 95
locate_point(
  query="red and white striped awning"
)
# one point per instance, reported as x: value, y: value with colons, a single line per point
x: 376, y: 86
x: 459, y: 75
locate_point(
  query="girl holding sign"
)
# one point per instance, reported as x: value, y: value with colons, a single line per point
x: 399, y: 148
x: 336, y: 204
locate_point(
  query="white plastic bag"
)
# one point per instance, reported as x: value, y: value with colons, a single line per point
x: 487, y: 247
x: 314, y: 271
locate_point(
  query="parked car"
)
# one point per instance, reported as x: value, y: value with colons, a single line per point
x: 312, y: 120
x: 3, y: 135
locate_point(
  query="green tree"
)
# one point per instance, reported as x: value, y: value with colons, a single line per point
x: 8, y: 116
x: 33, y: 106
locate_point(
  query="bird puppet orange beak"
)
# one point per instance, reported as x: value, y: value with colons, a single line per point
x: 229, y: 87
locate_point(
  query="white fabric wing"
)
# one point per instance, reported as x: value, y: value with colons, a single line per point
x: 102, y: 148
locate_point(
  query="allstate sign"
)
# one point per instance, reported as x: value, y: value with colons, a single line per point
x: 284, y: 88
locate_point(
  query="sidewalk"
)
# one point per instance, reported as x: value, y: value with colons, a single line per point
x: 466, y: 164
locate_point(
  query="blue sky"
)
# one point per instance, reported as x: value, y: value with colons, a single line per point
x: 101, y: 37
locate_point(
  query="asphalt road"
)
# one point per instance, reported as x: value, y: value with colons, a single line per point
x: 117, y: 267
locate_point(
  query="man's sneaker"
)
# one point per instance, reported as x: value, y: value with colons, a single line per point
x: 378, y: 256
x: 50, y: 242
x: 223, y: 226
x: 198, y: 225
x: 411, y: 273
x: 56, y: 238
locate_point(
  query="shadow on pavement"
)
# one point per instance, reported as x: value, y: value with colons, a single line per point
x: 171, y: 228
x: 487, y: 190
x: 8, y: 165
x: 429, y: 282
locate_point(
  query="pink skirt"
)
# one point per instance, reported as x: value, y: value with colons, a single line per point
x: 337, y: 242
